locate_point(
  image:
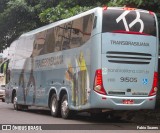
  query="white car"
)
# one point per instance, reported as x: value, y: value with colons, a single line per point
x: 2, y: 93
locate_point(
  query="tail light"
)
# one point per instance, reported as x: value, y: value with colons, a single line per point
x: 154, y: 85
x: 152, y: 13
x: 98, y: 82
x: 104, y: 8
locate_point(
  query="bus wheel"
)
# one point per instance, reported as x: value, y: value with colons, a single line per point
x: 65, y: 111
x: 15, y: 106
x: 23, y: 107
x: 3, y: 100
x: 54, y: 105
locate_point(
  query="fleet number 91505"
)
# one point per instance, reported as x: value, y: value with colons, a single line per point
x: 128, y: 79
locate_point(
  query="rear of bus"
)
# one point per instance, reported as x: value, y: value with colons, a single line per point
x: 129, y: 59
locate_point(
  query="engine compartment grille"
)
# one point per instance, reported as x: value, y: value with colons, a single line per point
x: 128, y: 57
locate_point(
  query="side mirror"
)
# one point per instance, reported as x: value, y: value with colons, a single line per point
x: 3, y: 86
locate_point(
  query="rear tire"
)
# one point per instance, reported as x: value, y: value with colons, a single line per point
x: 15, y: 105
x: 54, y: 106
x: 3, y: 100
x: 65, y: 111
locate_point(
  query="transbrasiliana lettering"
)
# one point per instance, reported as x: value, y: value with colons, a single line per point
x: 130, y: 43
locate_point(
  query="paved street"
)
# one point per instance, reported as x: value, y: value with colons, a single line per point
x: 42, y: 116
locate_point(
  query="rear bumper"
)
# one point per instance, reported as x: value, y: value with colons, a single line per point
x: 116, y: 103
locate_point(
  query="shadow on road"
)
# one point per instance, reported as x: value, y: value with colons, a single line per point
x: 82, y: 116
x: 134, y: 117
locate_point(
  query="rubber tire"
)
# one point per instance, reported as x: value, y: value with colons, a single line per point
x: 15, y: 105
x: 55, y: 113
x: 23, y: 107
x: 66, y: 114
x: 19, y: 107
x: 3, y: 100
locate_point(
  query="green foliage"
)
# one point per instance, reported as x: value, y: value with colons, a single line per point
x: 57, y: 13
x: 153, y: 5
x: 3, y: 4
x: 17, y: 17
x: 131, y: 3
x: 65, y: 9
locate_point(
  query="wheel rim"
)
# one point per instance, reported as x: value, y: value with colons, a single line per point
x: 65, y: 107
x: 54, y: 105
x: 15, y: 102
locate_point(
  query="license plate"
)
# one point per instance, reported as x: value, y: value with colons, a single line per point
x: 126, y: 101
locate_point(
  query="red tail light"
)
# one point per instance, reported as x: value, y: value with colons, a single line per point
x: 152, y: 13
x: 98, y: 82
x: 154, y: 85
x: 104, y: 8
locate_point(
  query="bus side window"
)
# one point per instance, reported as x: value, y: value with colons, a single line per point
x: 1, y: 68
x: 95, y: 22
x: 6, y: 72
x: 7, y: 76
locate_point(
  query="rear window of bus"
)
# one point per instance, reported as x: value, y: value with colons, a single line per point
x: 145, y: 21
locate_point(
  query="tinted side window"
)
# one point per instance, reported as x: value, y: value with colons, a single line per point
x: 69, y: 35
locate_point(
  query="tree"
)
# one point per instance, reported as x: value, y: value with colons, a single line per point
x: 17, y: 17
x: 3, y: 4
x: 65, y: 9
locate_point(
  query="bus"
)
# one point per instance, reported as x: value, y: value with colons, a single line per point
x: 104, y: 59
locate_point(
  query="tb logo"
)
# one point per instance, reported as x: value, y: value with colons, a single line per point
x: 137, y: 20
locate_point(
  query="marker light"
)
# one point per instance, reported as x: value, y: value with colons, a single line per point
x: 150, y: 12
x: 105, y: 8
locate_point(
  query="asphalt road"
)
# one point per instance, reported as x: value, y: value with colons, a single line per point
x: 81, y: 122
